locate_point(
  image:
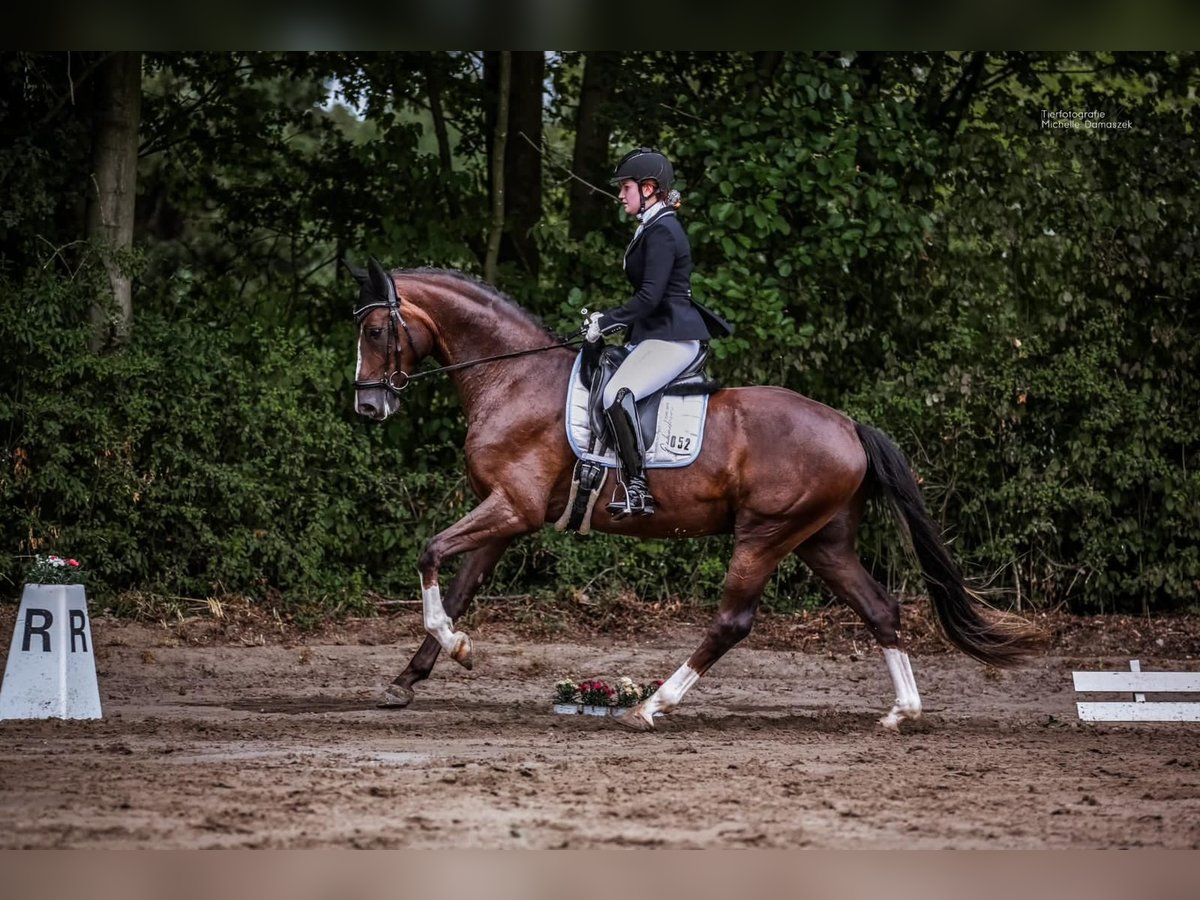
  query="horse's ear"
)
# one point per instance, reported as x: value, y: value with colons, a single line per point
x: 359, y: 274
x: 381, y: 282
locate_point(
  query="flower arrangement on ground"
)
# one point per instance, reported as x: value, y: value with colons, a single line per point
x: 51, y: 569
x: 597, y: 698
x: 595, y: 695
x: 628, y: 693
x: 565, y: 691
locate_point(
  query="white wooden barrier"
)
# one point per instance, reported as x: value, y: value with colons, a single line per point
x: 1139, y: 683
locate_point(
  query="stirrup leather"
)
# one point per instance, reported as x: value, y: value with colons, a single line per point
x: 622, y: 419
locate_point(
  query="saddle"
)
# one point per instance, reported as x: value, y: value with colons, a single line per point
x: 671, y: 421
x: 598, y: 372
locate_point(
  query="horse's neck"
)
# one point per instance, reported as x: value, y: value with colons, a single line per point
x: 467, y: 329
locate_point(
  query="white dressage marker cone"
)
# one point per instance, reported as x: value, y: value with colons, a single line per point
x: 51, y: 671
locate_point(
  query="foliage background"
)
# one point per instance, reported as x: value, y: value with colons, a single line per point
x: 896, y: 235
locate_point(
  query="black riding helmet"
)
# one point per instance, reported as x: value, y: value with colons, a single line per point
x: 643, y: 164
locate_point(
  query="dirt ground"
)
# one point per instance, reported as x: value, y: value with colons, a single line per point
x: 233, y: 730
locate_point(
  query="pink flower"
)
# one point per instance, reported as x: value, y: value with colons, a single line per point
x: 73, y: 563
x: 595, y: 692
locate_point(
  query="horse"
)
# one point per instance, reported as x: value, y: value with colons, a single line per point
x: 784, y: 473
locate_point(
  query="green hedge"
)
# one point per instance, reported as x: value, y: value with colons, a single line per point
x: 1016, y: 307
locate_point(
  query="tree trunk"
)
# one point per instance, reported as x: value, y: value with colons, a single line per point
x: 110, y: 215
x: 499, y: 146
x: 523, y: 162
x: 593, y: 127
x: 766, y: 65
x: 433, y: 83
x: 523, y: 158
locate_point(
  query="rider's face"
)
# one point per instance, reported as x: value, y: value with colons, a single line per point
x: 631, y: 195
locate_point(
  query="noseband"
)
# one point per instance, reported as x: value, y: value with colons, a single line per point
x: 395, y: 348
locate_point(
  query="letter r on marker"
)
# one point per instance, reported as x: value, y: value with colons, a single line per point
x: 46, y: 620
x: 78, y: 622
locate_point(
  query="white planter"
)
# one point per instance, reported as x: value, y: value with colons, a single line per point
x: 595, y: 710
x: 566, y: 709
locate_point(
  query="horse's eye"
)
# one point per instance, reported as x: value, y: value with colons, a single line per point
x: 375, y: 332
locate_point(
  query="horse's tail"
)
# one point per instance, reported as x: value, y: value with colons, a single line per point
x: 995, y: 639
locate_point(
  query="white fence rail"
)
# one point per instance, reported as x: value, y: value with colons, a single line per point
x: 1139, y: 683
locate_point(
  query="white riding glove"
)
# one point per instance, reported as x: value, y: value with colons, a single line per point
x: 592, y: 323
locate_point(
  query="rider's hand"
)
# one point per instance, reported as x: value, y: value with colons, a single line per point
x: 593, y: 327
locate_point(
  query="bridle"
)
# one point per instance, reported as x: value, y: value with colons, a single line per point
x: 396, y: 350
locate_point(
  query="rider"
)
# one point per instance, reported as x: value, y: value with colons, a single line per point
x: 665, y: 326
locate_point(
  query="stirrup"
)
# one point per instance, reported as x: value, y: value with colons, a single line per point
x: 638, y: 501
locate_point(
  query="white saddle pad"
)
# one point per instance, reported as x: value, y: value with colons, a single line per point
x: 677, y: 437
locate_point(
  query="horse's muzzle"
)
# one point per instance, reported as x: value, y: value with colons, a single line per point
x: 373, y: 404
x: 370, y: 410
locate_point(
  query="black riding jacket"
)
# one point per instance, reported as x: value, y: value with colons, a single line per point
x: 658, y: 263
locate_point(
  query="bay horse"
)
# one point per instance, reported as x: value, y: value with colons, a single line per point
x: 784, y: 473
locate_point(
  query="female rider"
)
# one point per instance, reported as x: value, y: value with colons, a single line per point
x: 665, y: 326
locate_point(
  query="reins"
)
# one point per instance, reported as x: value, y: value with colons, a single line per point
x: 569, y: 342
x: 396, y: 350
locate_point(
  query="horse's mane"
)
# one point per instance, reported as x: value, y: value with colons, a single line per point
x: 491, y: 293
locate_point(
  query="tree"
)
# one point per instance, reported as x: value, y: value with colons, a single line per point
x: 523, y: 161
x: 522, y: 166
x: 499, y: 145
x: 592, y: 133
x: 110, y: 217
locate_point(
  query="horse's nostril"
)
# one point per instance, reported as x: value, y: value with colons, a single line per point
x: 367, y: 409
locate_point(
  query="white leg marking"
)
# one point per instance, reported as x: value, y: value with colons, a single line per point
x: 908, y: 701
x: 437, y: 623
x: 667, y: 697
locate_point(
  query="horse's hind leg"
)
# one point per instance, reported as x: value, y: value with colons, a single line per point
x: 750, y: 568
x: 475, y: 569
x: 831, y: 556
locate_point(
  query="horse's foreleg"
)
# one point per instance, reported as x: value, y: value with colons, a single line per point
x: 493, y: 519
x: 400, y: 692
x: 749, y: 570
x: 832, y: 558
x: 476, y: 568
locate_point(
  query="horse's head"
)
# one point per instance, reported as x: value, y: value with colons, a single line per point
x: 386, y: 351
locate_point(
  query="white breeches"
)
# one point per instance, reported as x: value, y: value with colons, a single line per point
x: 649, y: 366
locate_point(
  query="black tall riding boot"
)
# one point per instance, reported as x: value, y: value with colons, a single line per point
x: 622, y: 419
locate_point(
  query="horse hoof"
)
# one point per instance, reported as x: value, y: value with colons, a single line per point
x: 462, y: 652
x: 396, y: 696
x: 891, y: 722
x: 898, y: 714
x: 634, y: 721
